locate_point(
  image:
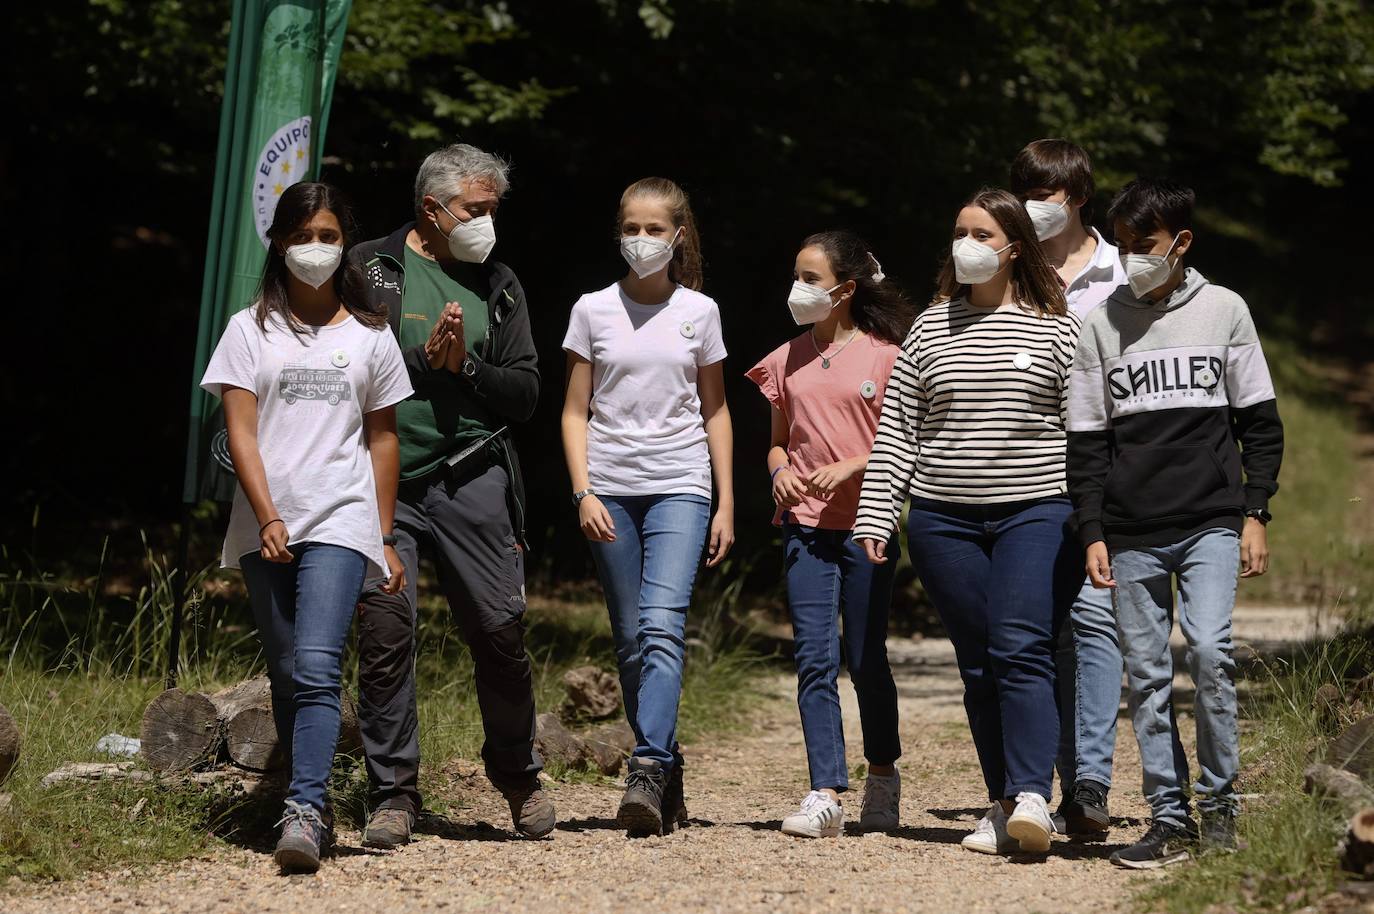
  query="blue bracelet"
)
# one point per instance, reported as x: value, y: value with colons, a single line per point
x: 774, y: 475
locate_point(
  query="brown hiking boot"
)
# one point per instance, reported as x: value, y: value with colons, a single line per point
x: 388, y: 828
x: 530, y: 809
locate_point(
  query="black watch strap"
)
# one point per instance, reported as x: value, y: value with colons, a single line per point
x: 388, y: 539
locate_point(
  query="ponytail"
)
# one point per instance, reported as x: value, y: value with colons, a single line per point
x: 686, y: 265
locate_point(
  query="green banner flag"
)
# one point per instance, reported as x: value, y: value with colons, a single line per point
x: 279, y: 78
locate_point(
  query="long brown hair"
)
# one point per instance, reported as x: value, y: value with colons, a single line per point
x: 297, y: 205
x: 878, y: 307
x: 685, y: 267
x: 1033, y: 280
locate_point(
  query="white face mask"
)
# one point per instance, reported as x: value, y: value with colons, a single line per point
x: 975, y: 262
x: 1049, y: 219
x: 1147, y: 272
x: 810, y: 304
x: 471, y: 241
x: 647, y: 255
x: 313, y: 263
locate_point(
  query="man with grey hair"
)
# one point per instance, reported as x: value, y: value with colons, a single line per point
x: 464, y: 330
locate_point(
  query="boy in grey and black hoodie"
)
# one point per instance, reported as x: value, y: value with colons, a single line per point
x: 1174, y: 451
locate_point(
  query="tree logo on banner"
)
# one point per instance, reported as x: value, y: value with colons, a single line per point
x: 283, y: 161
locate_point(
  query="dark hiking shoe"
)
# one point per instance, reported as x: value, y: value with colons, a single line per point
x: 1163, y: 844
x: 1084, y: 811
x: 531, y: 811
x: 641, y: 809
x: 302, y: 836
x: 388, y: 828
x: 1218, y: 831
x: 674, y: 802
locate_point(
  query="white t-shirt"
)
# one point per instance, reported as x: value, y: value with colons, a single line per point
x: 313, y: 390
x: 646, y: 435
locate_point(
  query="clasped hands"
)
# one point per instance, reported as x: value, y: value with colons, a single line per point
x: 446, y: 347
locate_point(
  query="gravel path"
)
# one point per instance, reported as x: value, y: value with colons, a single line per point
x: 732, y: 858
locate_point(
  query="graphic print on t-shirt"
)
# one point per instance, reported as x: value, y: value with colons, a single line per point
x: 298, y: 382
x: 1178, y: 377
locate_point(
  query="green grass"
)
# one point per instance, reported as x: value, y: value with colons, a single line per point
x: 1288, y: 838
x: 77, y: 662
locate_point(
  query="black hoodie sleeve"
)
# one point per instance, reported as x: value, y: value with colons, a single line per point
x: 507, y: 381
x: 1089, y: 459
x: 1260, y: 433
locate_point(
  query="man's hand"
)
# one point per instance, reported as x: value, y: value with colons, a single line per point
x: 787, y: 488
x: 436, y: 347
x: 457, y: 348
x: 1254, y: 548
x: 1100, y: 566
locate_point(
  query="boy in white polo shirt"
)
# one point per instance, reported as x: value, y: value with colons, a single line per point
x: 1054, y: 178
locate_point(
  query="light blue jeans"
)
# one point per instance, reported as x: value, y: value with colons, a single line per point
x: 647, y: 574
x: 1205, y: 567
x: 1089, y: 688
x: 304, y: 609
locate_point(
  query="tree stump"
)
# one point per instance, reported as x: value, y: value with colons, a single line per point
x: 180, y: 730
x: 9, y: 744
x: 1357, y: 849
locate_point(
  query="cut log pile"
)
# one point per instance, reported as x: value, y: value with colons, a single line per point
x: 9, y: 744
x: 185, y: 731
x: 1346, y: 779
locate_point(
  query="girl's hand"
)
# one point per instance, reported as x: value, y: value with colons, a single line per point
x: 397, y: 581
x: 788, y: 490
x: 829, y: 478
x: 876, y: 550
x: 722, y: 536
x: 595, y: 520
x: 274, y: 538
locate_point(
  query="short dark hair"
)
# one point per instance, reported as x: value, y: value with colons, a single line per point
x: 1054, y: 164
x: 1147, y: 204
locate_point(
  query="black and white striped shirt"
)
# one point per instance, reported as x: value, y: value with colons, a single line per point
x: 975, y: 412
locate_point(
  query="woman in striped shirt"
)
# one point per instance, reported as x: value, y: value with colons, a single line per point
x: 972, y: 428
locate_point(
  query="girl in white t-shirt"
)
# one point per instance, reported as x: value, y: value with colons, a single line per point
x: 645, y: 431
x: 310, y: 379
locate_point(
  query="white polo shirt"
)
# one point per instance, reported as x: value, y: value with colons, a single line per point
x: 1096, y: 281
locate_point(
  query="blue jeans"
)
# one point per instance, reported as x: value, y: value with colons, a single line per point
x: 303, y: 611
x: 1002, y: 577
x: 647, y: 574
x: 1089, y: 689
x: 829, y: 578
x: 1205, y: 566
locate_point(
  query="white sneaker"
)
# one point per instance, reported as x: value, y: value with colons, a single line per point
x: 882, y: 802
x: 990, y: 837
x: 1030, y: 823
x: 819, y: 817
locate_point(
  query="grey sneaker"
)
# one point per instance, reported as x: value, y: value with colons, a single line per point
x: 302, y: 835
x: 388, y: 828
x: 531, y: 811
x: 641, y: 809
x: 882, y: 803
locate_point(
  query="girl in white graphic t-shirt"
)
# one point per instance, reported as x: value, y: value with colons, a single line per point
x: 645, y: 431
x: 310, y: 379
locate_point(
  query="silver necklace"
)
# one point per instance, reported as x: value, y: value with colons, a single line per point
x: 825, y: 361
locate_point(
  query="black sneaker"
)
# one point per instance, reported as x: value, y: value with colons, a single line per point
x: 1163, y: 844
x: 674, y: 802
x: 641, y: 809
x: 1218, y: 831
x: 1085, y: 810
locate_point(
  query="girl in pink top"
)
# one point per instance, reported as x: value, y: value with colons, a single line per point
x: 826, y: 387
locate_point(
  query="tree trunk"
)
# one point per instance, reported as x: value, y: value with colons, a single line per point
x: 1357, y: 850
x: 180, y: 730
x: 245, y: 713
x: 9, y: 744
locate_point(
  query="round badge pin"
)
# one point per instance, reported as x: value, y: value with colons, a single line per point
x: 339, y: 358
x: 1021, y: 361
x: 868, y: 390
x: 687, y: 330
x: 1207, y: 378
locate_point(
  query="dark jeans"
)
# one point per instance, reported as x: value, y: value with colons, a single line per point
x: 1002, y: 578
x: 465, y: 525
x: 303, y: 610
x: 829, y: 579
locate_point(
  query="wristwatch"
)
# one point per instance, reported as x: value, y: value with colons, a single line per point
x: 388, y: 539
x: 469, y: 367
x: 578, y: 496
x: 1259, y: 514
